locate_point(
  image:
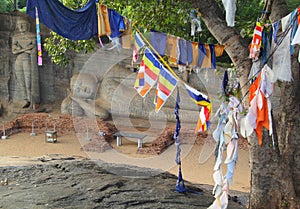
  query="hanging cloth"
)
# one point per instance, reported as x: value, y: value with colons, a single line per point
x: 230, y: 7
x: 189, y: 48
x: 195, y: 23
x: 182, y: 52
x: 195, y: 52
x: 116, y: 22
x: 78, y: 24
x: 282, y: 58
x: 103, y: 21
x: 177, y: 129
x: 275, y: 31
x: 180, y: 182
x: 259, y: 114
x: 171, y: 49
x: 207, y: 59
x: 225, y: 82
x: 202, y: 54
x: 213, y: 56
x: 159, y: 42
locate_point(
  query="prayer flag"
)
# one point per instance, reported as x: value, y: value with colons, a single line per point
x: 256, y: 41
x: 201, y: 54
x: 158, y: 41
x: 165, y: 86
x: 38, y: 37
x: 177, y: 130
x: 203, y: 120
x: 138, y: 44
x: 198, y: 97
x: 148, y: 73
x: 201, y: 100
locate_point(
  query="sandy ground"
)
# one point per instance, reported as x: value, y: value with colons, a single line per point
x: 197, y: 160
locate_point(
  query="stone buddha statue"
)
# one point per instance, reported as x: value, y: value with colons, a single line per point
x: 83, y: 97
x: 26, y: 71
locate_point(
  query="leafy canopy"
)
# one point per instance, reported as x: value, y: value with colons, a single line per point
x: 168, y: 16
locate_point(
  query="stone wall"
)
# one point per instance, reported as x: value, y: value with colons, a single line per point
x: 116, y: 81
x: 53, y: 80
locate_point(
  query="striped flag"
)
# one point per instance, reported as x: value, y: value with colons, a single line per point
x: 203, y: 120
x: 256, y: 41
x: 165, y: 86
x: 38, y: 38
x: 148, y: 73
x: 206, y: 106
x: 138, y: 44
x: 198, y: 97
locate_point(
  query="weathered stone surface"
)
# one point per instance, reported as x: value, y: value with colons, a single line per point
x: 52, y: 81
x: 80, y: 184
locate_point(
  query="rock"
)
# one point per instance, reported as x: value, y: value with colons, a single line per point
x: 81, y: 183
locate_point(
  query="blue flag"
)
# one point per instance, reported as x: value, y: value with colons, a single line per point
x: 81, y: 24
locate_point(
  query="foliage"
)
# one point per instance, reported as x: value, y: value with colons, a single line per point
x: 169, y: 16
x: 6, y: 6
x: 62, y: 49
x: 292, y: 4
x: 248, y: 11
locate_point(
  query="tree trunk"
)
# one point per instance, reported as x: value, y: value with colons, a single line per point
x: 275, y: 169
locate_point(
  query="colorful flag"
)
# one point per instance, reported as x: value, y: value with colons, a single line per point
x: 38, y: 37
x: 256, y: 41
x: 165, y: 86
x: 138, y: 44
x: 198, y: 97
x: 148, y: 73
x: 203, y: 120
x: 203, y: 101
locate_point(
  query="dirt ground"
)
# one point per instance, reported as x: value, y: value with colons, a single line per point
x: 197, y: 158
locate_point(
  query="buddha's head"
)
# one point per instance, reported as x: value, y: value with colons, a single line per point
x: 84, y: 86
x: 23, y: 24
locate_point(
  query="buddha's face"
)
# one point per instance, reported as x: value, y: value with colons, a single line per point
x: 23, y: 25
x: 85, y: 86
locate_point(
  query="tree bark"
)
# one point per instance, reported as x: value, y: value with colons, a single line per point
x: 275, y: 169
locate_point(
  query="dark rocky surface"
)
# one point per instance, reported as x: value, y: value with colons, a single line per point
x: 81, y: 183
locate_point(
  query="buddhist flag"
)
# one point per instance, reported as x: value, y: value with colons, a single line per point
x: 138, y: 44
x: 203, y: 120
x: 148, y: 73
x: 203, y: 101
x: 38, y: 37
x: 198, y: 97
x: 256, y: 41
x: 165, y: 86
